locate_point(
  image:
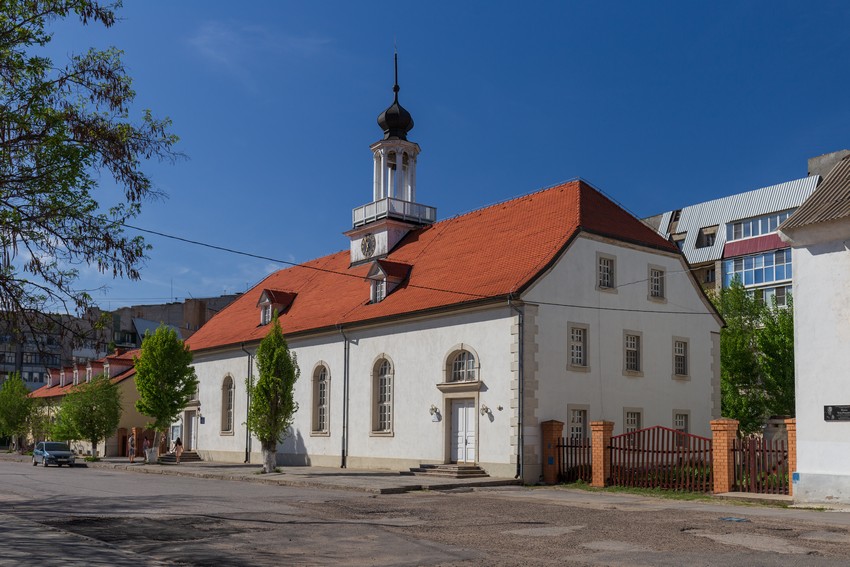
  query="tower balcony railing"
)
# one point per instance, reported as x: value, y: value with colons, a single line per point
x: 395, y: 209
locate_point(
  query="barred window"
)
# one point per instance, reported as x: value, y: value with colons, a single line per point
x: 633, y: 353
x: 463, y: 367
x: 656, y: 283
x: 633, y: 421
x: 578, y: 346
x: 680, y: 358
x: 578, y: 424
x: 680, y: 422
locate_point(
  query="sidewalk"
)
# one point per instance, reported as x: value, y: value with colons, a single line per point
x: 373, y: 481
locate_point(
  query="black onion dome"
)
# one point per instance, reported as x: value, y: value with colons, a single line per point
x: 395, y: 121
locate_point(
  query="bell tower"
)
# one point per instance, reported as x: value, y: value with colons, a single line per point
x: 379, y: 225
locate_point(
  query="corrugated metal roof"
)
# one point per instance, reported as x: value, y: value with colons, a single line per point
x: 721, y: 211
x: 830, y: 202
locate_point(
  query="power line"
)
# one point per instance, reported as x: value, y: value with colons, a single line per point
x: 456, y: 292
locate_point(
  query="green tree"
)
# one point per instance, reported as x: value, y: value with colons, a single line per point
x: 15, y: 409
x: 65, y: 128
x: 756, y: 358
x: 273, y: 404
x: 165, y: 378
x: 91, y: 411
x: 776, y: 348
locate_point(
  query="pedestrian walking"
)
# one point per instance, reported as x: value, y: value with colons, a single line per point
x: 178, y: 449
x: 131, y: 447
x: 145, y: 446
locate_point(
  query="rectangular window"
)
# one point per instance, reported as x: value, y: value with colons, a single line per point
x: 680, y: 358
x: 578, y: 424
x: 266, y: 314
x: 578, y: 346
x: 30, y: 358
x: 710, y: 275
x: 632, y: 346
x: 656, y: 283
x: 633, y: 421
x: 379, y: 290
x: 606, y: 273
x: 680, y: 422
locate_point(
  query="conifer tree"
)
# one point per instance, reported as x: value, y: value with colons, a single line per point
x: 273, y: 404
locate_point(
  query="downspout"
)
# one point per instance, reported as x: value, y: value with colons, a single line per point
x: 248, y: 398
x: 344, y: 450
x: 520, y: 354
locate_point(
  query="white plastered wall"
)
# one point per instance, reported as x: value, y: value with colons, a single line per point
x: 604, y: 387
x: 821, y: 337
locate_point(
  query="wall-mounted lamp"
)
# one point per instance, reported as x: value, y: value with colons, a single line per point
x: 484, y: 409
x: 434, y: 410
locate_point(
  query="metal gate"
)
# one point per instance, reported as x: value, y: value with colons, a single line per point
x: 575, y: 459
x: 760, y: 466
x: 660, y: 457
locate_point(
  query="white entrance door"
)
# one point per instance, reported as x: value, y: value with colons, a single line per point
x: 189, y: 439
x: 463, y: 431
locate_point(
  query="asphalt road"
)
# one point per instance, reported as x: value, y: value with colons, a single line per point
x: 83, y: 516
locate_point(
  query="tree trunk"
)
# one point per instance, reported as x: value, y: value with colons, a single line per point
x: 94, y: 448
x: 269, y: 457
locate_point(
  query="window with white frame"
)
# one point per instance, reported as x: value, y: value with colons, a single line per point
x: 606, y: 273
x: 633, y: 421
x: 463, y: 367
x: 578, y: 424
x: 680, y: 358
x: 578, y: 346
x: 227, y: 396
x: 383, y: 397
x: 379, y: 290
x: 266, y: 314
x: 656, y: 283
x: 680, y: 422
x: 321, y: 391
x: 632, y: 352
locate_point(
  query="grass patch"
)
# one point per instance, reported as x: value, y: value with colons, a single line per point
x: 90, y: 459
x: 674, y: 495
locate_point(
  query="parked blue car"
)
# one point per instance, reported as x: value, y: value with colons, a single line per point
x: 52, y: 453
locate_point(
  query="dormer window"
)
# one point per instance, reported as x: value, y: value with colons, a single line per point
x: 266, y: 314
x: 379, y: 290
x: 271, y: 301
x: 88, y: 374
x: 106, y: 369
x: 62, y: 378
x: 384, y: 276
x: 76, y: 376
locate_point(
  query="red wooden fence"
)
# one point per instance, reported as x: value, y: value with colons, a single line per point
x: 574, y: 460
x: 660, y: 457
x: 761, y: 466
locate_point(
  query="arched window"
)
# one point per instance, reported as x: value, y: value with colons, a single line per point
x: 227, y: 391
x: 382, y: 395
x: 321, y: 394
x: 463, y: 367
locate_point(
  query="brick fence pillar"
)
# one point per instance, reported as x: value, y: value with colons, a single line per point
x: 723, y: 433
x: 601, y: 461
x: 791, y: 427
x: 550, y: 433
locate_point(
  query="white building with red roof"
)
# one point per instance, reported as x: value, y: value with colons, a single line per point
x: 452, y: 341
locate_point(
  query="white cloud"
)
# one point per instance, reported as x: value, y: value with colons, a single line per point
x: 232, y: 47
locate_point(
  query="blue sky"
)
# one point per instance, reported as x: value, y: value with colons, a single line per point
x: 659, y: 104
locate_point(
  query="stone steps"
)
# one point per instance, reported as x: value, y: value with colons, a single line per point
x: 450, y: 471
x: 186, y: 457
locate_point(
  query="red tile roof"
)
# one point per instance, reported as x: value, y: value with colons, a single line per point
x: 486, y: 254
x: 123, y: 359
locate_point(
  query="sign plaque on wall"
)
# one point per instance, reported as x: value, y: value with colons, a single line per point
x: 836, y: 413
